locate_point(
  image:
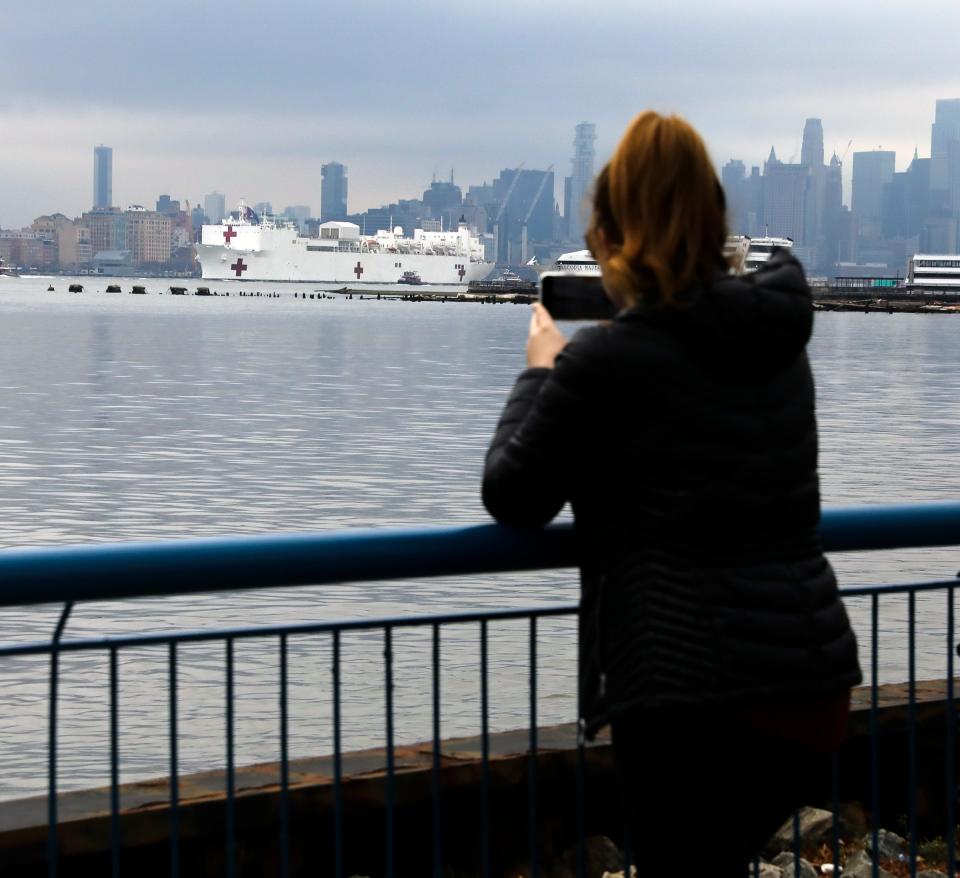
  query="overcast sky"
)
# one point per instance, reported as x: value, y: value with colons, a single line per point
x: 250, y: 98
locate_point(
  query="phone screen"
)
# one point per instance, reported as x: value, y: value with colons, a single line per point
x: 570, y: 296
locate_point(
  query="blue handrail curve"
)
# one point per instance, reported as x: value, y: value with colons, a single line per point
x: 138, y: 569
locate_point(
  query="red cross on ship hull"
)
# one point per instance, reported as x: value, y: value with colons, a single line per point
x: 239, y: 267
x: 228, y: 234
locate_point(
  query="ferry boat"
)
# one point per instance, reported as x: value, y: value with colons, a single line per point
x: 760, y: 249
x: 268, y: 249
x: 745, y: 254
x: 931, y: 271
x: 577, y: 261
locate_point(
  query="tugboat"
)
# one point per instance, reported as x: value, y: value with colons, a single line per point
x: 113, y: 288
x: 178, y: 291
x: 75, y: 288
x: 138, y: 291
x: 410, y: 277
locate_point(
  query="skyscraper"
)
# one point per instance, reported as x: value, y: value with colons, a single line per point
x: 734, y: 179
x: 580, y: 180
x: 215, y: 206
x: 871, y: 171
x: 102, y: 177
x: 333, y: 192
x: 811, y: 157
x: 811, y: 153
x: 944, y: 220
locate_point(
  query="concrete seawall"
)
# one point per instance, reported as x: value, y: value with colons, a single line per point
x: 145, y: 812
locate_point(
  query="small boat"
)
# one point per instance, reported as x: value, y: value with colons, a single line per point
x: 508, y: 278
x: 138, y: 291
x: 50, y: 289
x: 178, y: 291
x: 76, y: 288
x: 113, y: 288
x: 203, y: 291
x: 410, y: 277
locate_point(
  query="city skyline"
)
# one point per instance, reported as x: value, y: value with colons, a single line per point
x: 245, y: 124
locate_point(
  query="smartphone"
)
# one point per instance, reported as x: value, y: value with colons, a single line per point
x: 569, y: 296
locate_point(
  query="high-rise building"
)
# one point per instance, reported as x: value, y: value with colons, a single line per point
x: 871, y: 172
x: 942, y: 225
x: 811, y: 153
x: 522, y: 213
x: 832, y: 214
x: 167, y: 206
x: 147, y: 235
x: 784, y: 199
x: 580, y: 180
x: 102, y: 177
x: 811, y: 157
x: 444, y: 200
x: 215, y: 207
x: 734, y: 180
x: 333, y: 192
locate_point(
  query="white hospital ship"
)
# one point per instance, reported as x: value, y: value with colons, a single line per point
x: 249, y: 248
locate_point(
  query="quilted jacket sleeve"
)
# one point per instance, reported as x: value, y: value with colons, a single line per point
x: 531, y: 462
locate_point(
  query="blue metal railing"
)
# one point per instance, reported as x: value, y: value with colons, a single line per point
x: 99, y: 572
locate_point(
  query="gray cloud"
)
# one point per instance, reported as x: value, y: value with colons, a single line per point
x: 251, y: 98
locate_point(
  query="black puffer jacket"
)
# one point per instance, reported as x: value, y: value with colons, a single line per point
x: 685, y: 440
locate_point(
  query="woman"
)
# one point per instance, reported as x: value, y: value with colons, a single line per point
x: 712, y: 636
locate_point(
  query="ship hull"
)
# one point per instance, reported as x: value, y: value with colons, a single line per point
x: 278, y: 255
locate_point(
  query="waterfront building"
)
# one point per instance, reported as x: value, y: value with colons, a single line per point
x: 145, y: 233
x: 263, y: 208
x: 107, y: 228
x: 333, y: 192
x: 214, y: 207
x: 102, y: 177
x: 26, y: 248
x: 71, y: 241
x: 576, y: 188
x: 148, y: 235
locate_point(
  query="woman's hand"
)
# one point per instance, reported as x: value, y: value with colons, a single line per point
x: 545, y: 340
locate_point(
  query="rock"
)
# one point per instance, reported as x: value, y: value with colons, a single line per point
x: 815, y: 827
x: 859, y: 865
x: 853, y: 820
x: 890, y: 845
x: 603, y: 857
x: 787, y: 868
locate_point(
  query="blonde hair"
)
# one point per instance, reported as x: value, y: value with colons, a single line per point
x: 659, y: 214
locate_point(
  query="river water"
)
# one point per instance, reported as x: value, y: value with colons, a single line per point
x: 153, y: 417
